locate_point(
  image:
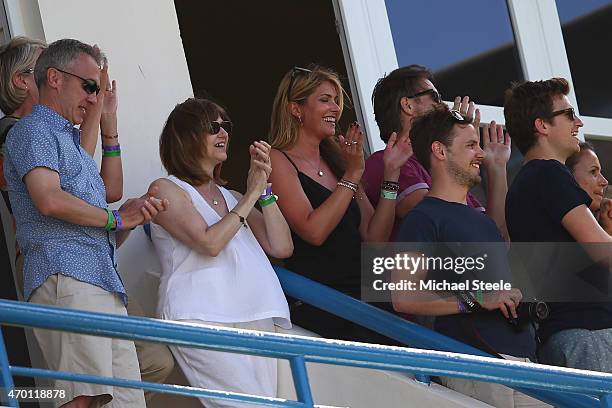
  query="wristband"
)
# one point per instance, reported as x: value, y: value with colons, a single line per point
x: 111, y: 153
x: 268, y: 200
x: 110, y: 220
x: 389, y: 195
x: 462, y: 307
x: 119, y: 225
x: 266, y: 193
x: 110, y: 148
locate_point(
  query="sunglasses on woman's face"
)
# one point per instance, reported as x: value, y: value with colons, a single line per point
x: 89, y: 85
x: 215, y: 127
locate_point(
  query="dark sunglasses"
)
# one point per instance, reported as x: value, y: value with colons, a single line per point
x: 434, y: 94
x: 569, y: 112
x: 215, y: 127
x: 89, y: 85
x: 294, y: 72
x: 459, y: 118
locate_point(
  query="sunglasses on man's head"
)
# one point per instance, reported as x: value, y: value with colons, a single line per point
x: 89, y: 85
x: 294, y: 72
x: 435, y: 95
x: 458, y: 117
x: 215, y: 127
x: 569, y: 112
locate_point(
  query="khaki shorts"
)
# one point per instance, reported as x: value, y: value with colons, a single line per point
x: 85, y: 354
x: 494, y: 394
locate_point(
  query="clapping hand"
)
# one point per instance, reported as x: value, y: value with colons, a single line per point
x: 260, y: 168
x: 605, y: 215
x: 137, y: 211
x: 397, y: 152
x: 352, y: 150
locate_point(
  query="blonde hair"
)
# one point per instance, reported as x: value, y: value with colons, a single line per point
x: 16, y: 56
x: 284, y: 127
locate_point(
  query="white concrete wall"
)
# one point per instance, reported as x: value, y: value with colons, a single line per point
x: 142, y: 41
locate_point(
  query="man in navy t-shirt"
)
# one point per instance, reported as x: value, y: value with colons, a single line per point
x: 449, y: 147
x: 545, y: 204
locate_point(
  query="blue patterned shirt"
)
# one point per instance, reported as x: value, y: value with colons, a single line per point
x: 50, y: 245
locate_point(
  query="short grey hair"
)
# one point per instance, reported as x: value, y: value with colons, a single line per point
x: 17, y: 56
x: 61, y: 54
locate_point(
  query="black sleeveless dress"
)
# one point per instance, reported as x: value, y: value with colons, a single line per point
x: 335, y: 263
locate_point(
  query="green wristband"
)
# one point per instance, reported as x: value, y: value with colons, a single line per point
x: 268, y: 200
x: 111, y: 153
x: 389, y: 195
x: 110, y: 221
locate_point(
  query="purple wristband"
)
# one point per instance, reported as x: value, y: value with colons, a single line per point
x: 119, y: 224
x: 111, y: 148
x: 462, y: 307
x: 266, y: 193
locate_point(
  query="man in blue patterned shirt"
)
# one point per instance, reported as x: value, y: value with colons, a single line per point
x: 67, y: 235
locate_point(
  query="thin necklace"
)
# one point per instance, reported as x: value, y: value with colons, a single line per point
x: 214, y: 202
x: 317, y: 169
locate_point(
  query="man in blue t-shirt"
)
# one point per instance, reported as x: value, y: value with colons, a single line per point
x: 545, y: 204
x: 449, y: 147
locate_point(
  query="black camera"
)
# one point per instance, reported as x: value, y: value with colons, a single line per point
x: 535, y: 311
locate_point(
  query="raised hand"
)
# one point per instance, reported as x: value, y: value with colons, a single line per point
x: 260, y: 168
x: 496, y: 145
x: 110, y: 101
x: 467, y: 109
x: 352, y: 151
x: 397, y: 152
x: 137, y: 211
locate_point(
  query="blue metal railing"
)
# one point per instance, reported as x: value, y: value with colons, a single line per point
x: 298, y: 350
x: 400, y: 329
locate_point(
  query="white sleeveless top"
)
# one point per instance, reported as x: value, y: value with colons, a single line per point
x: 238, y: 285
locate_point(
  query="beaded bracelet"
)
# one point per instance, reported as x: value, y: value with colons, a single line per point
x: 116, y: 136
x: 119, y: 225
x: 268, y: 200
x: 350, y: 183
x: 390, y: 185
x: 110, y: 220
x: 346, y: 184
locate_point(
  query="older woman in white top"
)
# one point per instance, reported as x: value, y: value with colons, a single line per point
x: 212, y: 244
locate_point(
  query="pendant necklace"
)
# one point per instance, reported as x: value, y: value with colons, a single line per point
x: 213, y: 200
x: 317, y: 169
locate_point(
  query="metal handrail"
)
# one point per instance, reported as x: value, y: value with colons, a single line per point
x: 402, y: 330
x: 297, y: 349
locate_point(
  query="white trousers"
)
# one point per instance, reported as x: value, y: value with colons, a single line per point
x: 216, y: 370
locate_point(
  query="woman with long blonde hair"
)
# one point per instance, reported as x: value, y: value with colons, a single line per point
x: 317, y: 177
